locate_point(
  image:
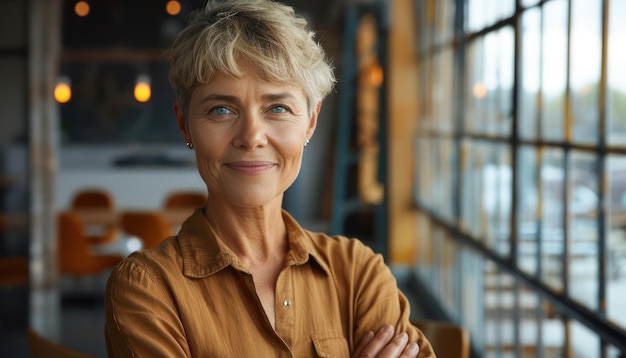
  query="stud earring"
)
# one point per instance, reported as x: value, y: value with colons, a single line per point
x: 189, y: 145
x: 306, y: 142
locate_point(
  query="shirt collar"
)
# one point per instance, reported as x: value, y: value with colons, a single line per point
x: 204, y: 253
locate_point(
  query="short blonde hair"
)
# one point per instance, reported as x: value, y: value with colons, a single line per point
x: 266, y: 36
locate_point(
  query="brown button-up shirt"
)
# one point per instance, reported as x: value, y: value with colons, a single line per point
x: 192, y: 297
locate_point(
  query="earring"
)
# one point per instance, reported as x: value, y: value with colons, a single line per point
x: 306, y: 142
x: 189, y: 145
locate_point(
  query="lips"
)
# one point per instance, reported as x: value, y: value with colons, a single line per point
x: 250, y: 167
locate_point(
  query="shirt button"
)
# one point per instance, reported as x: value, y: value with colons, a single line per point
x: 286, y: 303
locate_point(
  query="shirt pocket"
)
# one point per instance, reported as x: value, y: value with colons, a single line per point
x: 330, y: 345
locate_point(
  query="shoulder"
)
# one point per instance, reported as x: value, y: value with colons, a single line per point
x: 154, y: 264
x: 339, y: 251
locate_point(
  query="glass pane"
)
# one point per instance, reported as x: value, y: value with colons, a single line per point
x: 423, y: 170
x: 442, y: 92
x: 476, y: 93
x: 554, y: 71
x: 540, y: 328
x: 585, y: 56
x: 471, y: 166
x: 552, y: 219
x: 503, y: 82
x: 476, y: 17
x: 440, y: 190
x: 496, y: 196
x: 583, y: 221
x: 552, y: 338
x: 448, y: 264
x: 424, y: 22
x: 483, y: 13
x: 529, y: 2
x: 437, y: 252
x: 445, y: 20
x: 473, y: 283
x: 528, y: 305
x: 616, y: 74
x: 425, y: 95
x: 530, y: 78
x: 616, y: 240
x: 500, y: 303
x: 585, y: 343
x: 493, y: 310
x: 527, y: 210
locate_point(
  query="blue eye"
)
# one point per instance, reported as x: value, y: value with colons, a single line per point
x: 279, y: 109
x: 221, y: 110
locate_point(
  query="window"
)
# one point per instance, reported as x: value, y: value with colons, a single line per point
x: 520, y: 178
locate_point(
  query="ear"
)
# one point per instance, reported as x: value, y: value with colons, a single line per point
x: 313, y: 121
x: 183, y: 128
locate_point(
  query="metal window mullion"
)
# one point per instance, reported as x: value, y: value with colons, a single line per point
x: 514, y: 142
x: 603, y: 180
x: 566, y: 158
x: 460, y: 77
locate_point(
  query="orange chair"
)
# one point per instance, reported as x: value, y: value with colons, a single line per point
x: 75, y: 257
x: 151, y: 227
x: 99, y: 199
x: 41, y: 347
x: 448, y: 340
x: 13, y: 271
x: 185, y: 199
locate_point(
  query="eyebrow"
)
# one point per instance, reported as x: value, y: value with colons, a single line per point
x: 233, y: 99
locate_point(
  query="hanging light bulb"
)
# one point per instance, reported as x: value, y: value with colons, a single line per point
x: 63, y: 90
x: 143, y: 92
x: 81, y: 8
x: 173, y: 7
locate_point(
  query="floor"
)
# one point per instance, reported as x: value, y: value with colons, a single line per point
x: 81, y: 328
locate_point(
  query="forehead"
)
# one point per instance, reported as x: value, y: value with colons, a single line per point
x: 223, y: 84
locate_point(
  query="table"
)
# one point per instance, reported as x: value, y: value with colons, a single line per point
x: 103, y: 217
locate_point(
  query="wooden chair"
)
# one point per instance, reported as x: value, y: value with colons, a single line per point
x: 41, y: 347
x: 99, y: 199
x: 448, y: 340
x: 185, y: 199
x: 75, y: 256
x: 151, y: 227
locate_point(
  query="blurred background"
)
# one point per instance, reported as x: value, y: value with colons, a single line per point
x: 478, y: 145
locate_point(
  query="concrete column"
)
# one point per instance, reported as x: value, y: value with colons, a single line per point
x: 43, y: 63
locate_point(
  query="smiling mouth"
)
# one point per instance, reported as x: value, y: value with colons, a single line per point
x: 250, y: 167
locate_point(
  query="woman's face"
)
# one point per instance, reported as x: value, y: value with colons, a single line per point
x: 248, y: 135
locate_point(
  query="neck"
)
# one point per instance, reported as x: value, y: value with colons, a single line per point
x: 253, y: 234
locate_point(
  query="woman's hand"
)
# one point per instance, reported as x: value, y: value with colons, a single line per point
x: 384, y: 344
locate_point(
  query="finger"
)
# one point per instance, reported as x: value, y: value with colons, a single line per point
x: 377, y: 343
x: 396, y: 347
x: 369, y: 335
x: 411, y: 351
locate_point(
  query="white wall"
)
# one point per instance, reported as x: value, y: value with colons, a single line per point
x: 136, y: 187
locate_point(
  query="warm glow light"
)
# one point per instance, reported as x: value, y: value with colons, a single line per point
x: 376, y: 75
x: 81, y: 8
x: 173, y: 7
x: 143, y: 92
x: 63, y: 91
x: 479, y: 90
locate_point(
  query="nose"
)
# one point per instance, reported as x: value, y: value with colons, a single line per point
x: 250, y: 132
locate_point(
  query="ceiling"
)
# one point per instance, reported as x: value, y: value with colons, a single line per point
x: 144, y: 24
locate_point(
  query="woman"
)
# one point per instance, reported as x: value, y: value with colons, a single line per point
x: 242, y: 278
